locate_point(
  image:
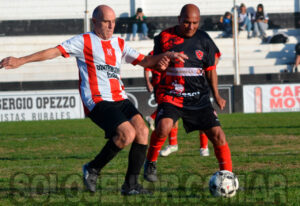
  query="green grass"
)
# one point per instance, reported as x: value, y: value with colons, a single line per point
x: 41, y: 164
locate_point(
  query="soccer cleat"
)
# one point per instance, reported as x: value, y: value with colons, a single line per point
x: 90, y: 176
x: 168, y: 150
x: 204, y: 152
x: 150, y: 122
x: 150, y: 171
x: 133, y: 190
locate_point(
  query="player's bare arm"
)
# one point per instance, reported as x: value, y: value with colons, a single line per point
x: 13, y: 62
x: 152, y: 61
x: 213, y: 81
x: 148, y: 83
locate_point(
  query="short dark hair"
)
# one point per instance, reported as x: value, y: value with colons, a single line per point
x: 139, y: 10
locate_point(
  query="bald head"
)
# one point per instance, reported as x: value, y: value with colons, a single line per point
x: 100, y: 10
x: 104, y: 20
x: 189, y: 20
x: 189, y: 10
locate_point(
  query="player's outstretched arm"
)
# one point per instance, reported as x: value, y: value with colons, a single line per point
x: 153, y: 60
x: 13, y: 62
x: 212, y: 78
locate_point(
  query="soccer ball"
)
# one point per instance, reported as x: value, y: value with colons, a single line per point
x: 223, y: 184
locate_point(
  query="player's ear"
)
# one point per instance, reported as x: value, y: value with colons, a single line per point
x: 94, y: 20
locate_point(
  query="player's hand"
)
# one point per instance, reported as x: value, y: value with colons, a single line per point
x: 149, y: 87
x: 176, y: 56
x: 10, y: 63
x: 220, y: 102
x: 163, y: 64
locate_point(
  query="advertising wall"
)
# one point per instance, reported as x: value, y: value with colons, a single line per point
x: 40, y: 105
x: 66, y: 104
x: 271, y: 98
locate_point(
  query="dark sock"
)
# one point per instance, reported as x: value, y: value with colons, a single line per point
x: 108, y: 152
x: 136, y: 161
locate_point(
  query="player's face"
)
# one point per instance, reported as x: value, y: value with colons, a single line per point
x: 189, y: 24
x: 104, y: 26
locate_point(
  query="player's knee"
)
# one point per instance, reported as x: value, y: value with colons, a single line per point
x: 217, y: 136
x: 142, y: 134
x: 163, y: 132
x: 164, y: 127
x: 142, y: 131
x: 127, y: 136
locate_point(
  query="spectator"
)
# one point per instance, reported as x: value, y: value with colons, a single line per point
x: 260, y: 22
x: 226, y: 21
x: 297, y: 59
x: 139, y: 22
x: 245, y: 20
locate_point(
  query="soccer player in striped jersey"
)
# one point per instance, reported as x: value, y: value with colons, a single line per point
x: 99, y: 55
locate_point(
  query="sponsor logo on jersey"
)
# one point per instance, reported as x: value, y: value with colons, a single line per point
x: 199, y: 54
x: 109, y: 52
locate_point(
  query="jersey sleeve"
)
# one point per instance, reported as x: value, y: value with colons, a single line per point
x: 213, y: 52
x: 131, y: 56
x: 71, y: 47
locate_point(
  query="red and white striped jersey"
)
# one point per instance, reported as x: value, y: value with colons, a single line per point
x: 99, y: 64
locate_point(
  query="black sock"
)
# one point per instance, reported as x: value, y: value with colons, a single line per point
x: 108, y: 152
x: 136, y: 160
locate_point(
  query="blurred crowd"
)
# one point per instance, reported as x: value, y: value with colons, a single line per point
x: 255, y: 22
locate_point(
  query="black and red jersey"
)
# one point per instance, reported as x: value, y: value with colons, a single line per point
x: 184, y: 84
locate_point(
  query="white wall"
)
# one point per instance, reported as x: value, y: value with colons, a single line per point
x: 69, y: 9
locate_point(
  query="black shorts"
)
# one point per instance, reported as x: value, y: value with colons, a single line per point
x: 109, y: 115
x: 201, y: 119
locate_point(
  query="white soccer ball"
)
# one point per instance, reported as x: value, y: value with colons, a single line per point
x: 223, y: 184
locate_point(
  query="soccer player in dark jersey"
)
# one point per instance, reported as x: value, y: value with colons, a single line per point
x: 185, y: 89
x: 152, y: 86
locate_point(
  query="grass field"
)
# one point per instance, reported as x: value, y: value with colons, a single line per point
x: 41, y: 164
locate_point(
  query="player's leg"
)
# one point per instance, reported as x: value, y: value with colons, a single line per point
x: 151, y: 119
x: 221, y: 148
x: 206, y: 120
x: 118, y: 130
x: 204, y: 151
x: 173, y: 145
x: 136, y: 157
x: 167, y: 114
x: 158, y: 138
